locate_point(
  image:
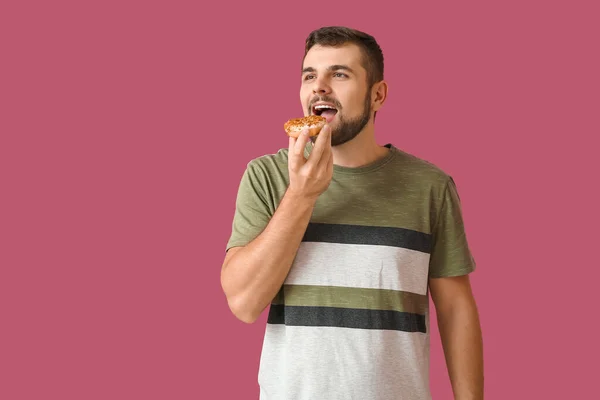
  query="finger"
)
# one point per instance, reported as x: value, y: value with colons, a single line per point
x: 301, y: 141
x: 296, y: 150
x: 326, y: 161
x: 323, y: 142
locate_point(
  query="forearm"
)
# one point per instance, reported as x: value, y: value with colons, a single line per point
x: 254, y: 274
x: 461, y: 337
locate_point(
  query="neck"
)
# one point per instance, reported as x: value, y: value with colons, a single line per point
x: 361, y: 150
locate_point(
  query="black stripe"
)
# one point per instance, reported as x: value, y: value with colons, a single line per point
x: 374, y: 235
x: 346, y: 318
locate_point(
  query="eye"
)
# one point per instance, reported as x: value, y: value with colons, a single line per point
x: 307, y: 77
x: 340, y: 74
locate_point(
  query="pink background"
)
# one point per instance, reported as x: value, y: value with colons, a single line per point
x: 125, y: 127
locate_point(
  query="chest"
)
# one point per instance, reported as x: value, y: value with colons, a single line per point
x: 362, y: 256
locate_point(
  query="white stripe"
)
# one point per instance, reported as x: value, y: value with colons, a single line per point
x: 340, y: 364
x: 361, y: 266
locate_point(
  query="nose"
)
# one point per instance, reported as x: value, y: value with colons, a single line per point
x: 321, y: 87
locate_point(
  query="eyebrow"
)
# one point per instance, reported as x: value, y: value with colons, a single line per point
x: 330, y: 68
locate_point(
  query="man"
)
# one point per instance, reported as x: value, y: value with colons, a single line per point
x: 344, y: 240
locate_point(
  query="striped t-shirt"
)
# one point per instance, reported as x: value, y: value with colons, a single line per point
x: 351, y: 320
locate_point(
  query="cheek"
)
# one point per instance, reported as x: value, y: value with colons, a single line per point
x: 353, y: 106
x: 353, y: 101
x: 305, y: 92
x: 304, y: 98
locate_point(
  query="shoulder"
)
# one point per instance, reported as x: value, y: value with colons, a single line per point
x: 270, y: 161
x: 268, y: 171
x: 420, y: 170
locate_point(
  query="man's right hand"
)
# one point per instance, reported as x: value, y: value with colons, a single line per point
x: 309, y: 178
x: 252, y: 275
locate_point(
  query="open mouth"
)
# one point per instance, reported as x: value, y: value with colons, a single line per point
x: 325, y: 110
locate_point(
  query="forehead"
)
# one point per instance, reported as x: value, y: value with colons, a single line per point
x: 320, y: 57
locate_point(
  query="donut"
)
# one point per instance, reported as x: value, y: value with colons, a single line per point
x: 294, y: 126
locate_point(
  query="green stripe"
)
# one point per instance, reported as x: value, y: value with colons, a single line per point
x: 346, y: 297
x: 278, y: 297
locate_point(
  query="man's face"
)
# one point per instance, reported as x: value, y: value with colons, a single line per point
x: 335, y: 77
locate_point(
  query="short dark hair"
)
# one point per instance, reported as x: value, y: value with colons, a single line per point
x: 335, y: 36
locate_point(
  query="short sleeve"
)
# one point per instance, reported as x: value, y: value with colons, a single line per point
x: 252, y: 213
x: 450, y: 253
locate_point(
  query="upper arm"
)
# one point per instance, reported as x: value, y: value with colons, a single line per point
x: 450, y: 292
x: 230, y: 253
x: 451, y: 260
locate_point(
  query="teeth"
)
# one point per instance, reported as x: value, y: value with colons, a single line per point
x: 320, y: 107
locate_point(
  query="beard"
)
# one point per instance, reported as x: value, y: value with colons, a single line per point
x: 348, y: 129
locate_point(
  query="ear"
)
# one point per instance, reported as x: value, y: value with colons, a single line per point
x: 379, y: 94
